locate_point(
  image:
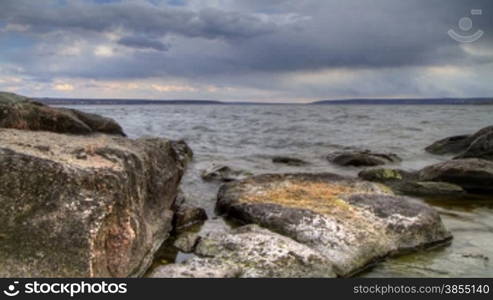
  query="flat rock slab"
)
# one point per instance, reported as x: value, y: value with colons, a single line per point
x: 83, y: 206
x: 353, y: 223
x: 250, y: 251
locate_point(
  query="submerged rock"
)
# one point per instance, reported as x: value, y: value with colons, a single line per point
x: 101, y: 216
x: 364, y: 158
x: 18, y: 112
x: 472, y: 174
x: 250, y: 251
x: 290, y: 161
x: 353, y: 223
x: 223, y: 173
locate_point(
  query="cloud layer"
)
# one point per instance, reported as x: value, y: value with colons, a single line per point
x: 281, y: 50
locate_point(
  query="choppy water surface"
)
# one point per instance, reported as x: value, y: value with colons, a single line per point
x: 246, y: 137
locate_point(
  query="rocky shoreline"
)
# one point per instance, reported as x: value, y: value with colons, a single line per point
x: 82, y: 200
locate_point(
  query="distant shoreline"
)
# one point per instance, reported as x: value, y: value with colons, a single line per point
x: 430, y: 101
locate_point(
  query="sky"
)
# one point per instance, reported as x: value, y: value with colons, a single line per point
x: 251, y: 50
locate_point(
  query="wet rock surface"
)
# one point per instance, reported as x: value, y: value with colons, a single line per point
x: 352, y: 223
x: 472, y: 174
x: 223, y: 174
x: 364, y: 158
x: 18, y: 112
x: 100, y: 214
x: 249, y: 251
x: 188, y: 215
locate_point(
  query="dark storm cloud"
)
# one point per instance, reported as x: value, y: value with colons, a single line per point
x: 140, y: 42
x: 248, y: 43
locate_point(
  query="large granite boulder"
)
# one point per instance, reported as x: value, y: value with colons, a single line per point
x: 84, y: 206
x: 353, y: 223
x: 249, y: 251
x: 449, y: 145
x: 472, y: 174
x: 365, y: 158
x: 482, y: 148
x: 18, y: 112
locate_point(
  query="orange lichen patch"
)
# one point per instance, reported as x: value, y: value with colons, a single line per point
x: 316, y: 196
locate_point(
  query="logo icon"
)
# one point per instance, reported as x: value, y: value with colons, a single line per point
x: 465, y: 25
x: 11, y: 290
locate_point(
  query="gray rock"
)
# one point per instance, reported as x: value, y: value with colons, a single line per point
x: 223, y: 174
x: 363, y: 158
x: 290, y: 161
x: 353, y: 223
x: 187, y: 241
x: 253, y: 252
x: 187, y: 216
x: 450, y: 145
x: 102, y: 216
x: 196, y: 268
x: 482, y: 148
x: 407, y: 183
x: 18, y: 112
x: 472, y: 174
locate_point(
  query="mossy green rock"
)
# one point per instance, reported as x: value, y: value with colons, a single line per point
x: 18, y: 112
x: 353, y: 223
x: 84, y: 206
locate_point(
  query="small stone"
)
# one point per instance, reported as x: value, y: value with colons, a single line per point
x: 186, y: 241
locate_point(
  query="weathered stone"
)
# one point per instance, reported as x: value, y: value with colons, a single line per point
x: 18, y: 112
x: 196, y: 268
x: 290, y: 161
x: 362, y: 158
x: 102, y: 216
x: 450, y: 145
x: 256, y: 252
x: 187, y: 216
x: 351, y: 222
x: 407, y: 183
x: 223, y: 173
x: 472, y: 174
x: 187, y: 241
x: 482, y: 148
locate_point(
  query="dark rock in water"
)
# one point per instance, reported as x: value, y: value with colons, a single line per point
x: 482, y: 148
x: 353, y: 223
x: 290, y: 161
x: 187, y: 216
x: 385, y: 175
x: 472, y: 174
x: 187, y: 241
x: 223, y: 173
x: 250, y: 251
x: 102, y: 216
x: 477, y: 145
x: 19, y: 112
x: 450, y: 145
x: 407, y: 183
x: 364, y: 158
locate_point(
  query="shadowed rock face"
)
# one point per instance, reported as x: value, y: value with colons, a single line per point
x: 19, y: 112
x: 472, y: 174
x: 249, y: 251
x: 477, y: 145
x: 83, y: 206
x: 353, y: 223
x: 362, y: 158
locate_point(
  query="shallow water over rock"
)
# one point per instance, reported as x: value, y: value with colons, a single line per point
x: 248, y: 137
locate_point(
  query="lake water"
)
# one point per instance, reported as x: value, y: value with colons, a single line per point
x: 247, y: 136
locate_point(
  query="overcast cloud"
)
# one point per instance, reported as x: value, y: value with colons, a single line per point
x: 251, y: 50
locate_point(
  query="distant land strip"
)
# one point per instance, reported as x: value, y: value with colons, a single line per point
x: 430, y: 101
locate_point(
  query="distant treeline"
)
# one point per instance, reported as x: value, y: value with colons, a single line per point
x: 431, y: 101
